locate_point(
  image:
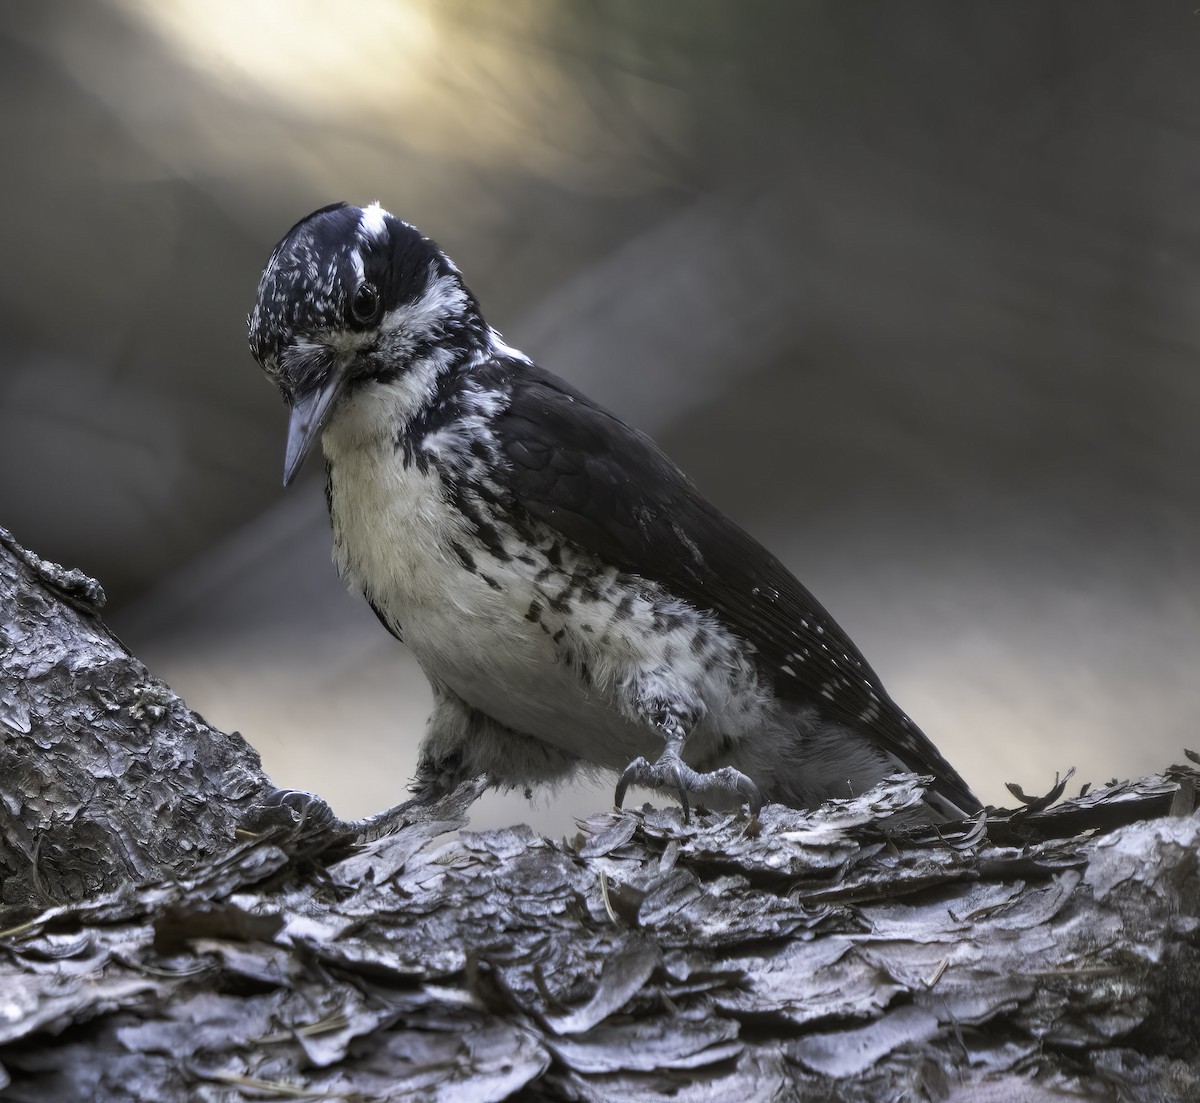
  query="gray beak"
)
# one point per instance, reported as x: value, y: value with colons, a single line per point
x: 309, y: 416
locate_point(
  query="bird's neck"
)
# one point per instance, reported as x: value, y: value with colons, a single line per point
x: 432, y: 395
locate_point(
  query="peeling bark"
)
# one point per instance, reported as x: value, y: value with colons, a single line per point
x: 106, y: 777
x: 153, y: 952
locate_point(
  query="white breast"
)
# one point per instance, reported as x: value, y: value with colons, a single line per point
x: 395, y: 537
x: 394, y: 540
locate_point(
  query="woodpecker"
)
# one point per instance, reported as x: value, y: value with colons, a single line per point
x: 573, y: 599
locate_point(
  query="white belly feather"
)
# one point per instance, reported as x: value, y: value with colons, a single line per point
x: 394, y: 537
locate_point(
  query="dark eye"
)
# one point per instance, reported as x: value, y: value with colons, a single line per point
x: 365, y: 304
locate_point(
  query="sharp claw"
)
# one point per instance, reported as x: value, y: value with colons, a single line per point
x: 677, y: 775
x: 683, y: 801
x: 628, y: 777
x: 750, y: 791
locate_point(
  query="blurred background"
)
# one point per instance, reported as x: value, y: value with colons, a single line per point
x: 911, y: 290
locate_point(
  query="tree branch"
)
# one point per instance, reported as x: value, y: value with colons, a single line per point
x: 154, y: 951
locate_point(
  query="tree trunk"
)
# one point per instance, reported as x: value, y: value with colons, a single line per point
x: 177, y: 929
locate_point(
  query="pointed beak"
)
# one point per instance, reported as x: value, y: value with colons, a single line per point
x: 310, y: 413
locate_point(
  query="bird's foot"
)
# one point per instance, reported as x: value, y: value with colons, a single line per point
x: 429, y: 805
x: 671, y: 772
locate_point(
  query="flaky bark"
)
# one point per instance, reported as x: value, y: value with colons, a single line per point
x: 154, y: 952
x: 106, y: 777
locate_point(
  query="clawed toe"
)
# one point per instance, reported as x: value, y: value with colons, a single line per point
x: 671, y: 772
x: 631, y: 775
x: 729, y: 780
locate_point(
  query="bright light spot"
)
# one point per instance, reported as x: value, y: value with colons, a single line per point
x: 321, y: 55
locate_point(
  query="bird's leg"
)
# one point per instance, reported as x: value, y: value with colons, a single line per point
x: 435, y: 777
x: 674, y: 719
x: 462, y: 742
x: 438, y: 801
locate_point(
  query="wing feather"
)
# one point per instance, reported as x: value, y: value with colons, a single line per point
x: 609, y: 489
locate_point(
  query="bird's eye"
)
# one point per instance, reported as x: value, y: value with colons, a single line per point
x: 365, y: 304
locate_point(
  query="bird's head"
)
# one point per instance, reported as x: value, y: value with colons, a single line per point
x: 353, y: 296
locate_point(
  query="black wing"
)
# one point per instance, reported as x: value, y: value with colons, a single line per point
x: 611, y: 490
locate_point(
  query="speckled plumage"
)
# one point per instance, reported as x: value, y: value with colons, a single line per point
x: 571, y: 596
